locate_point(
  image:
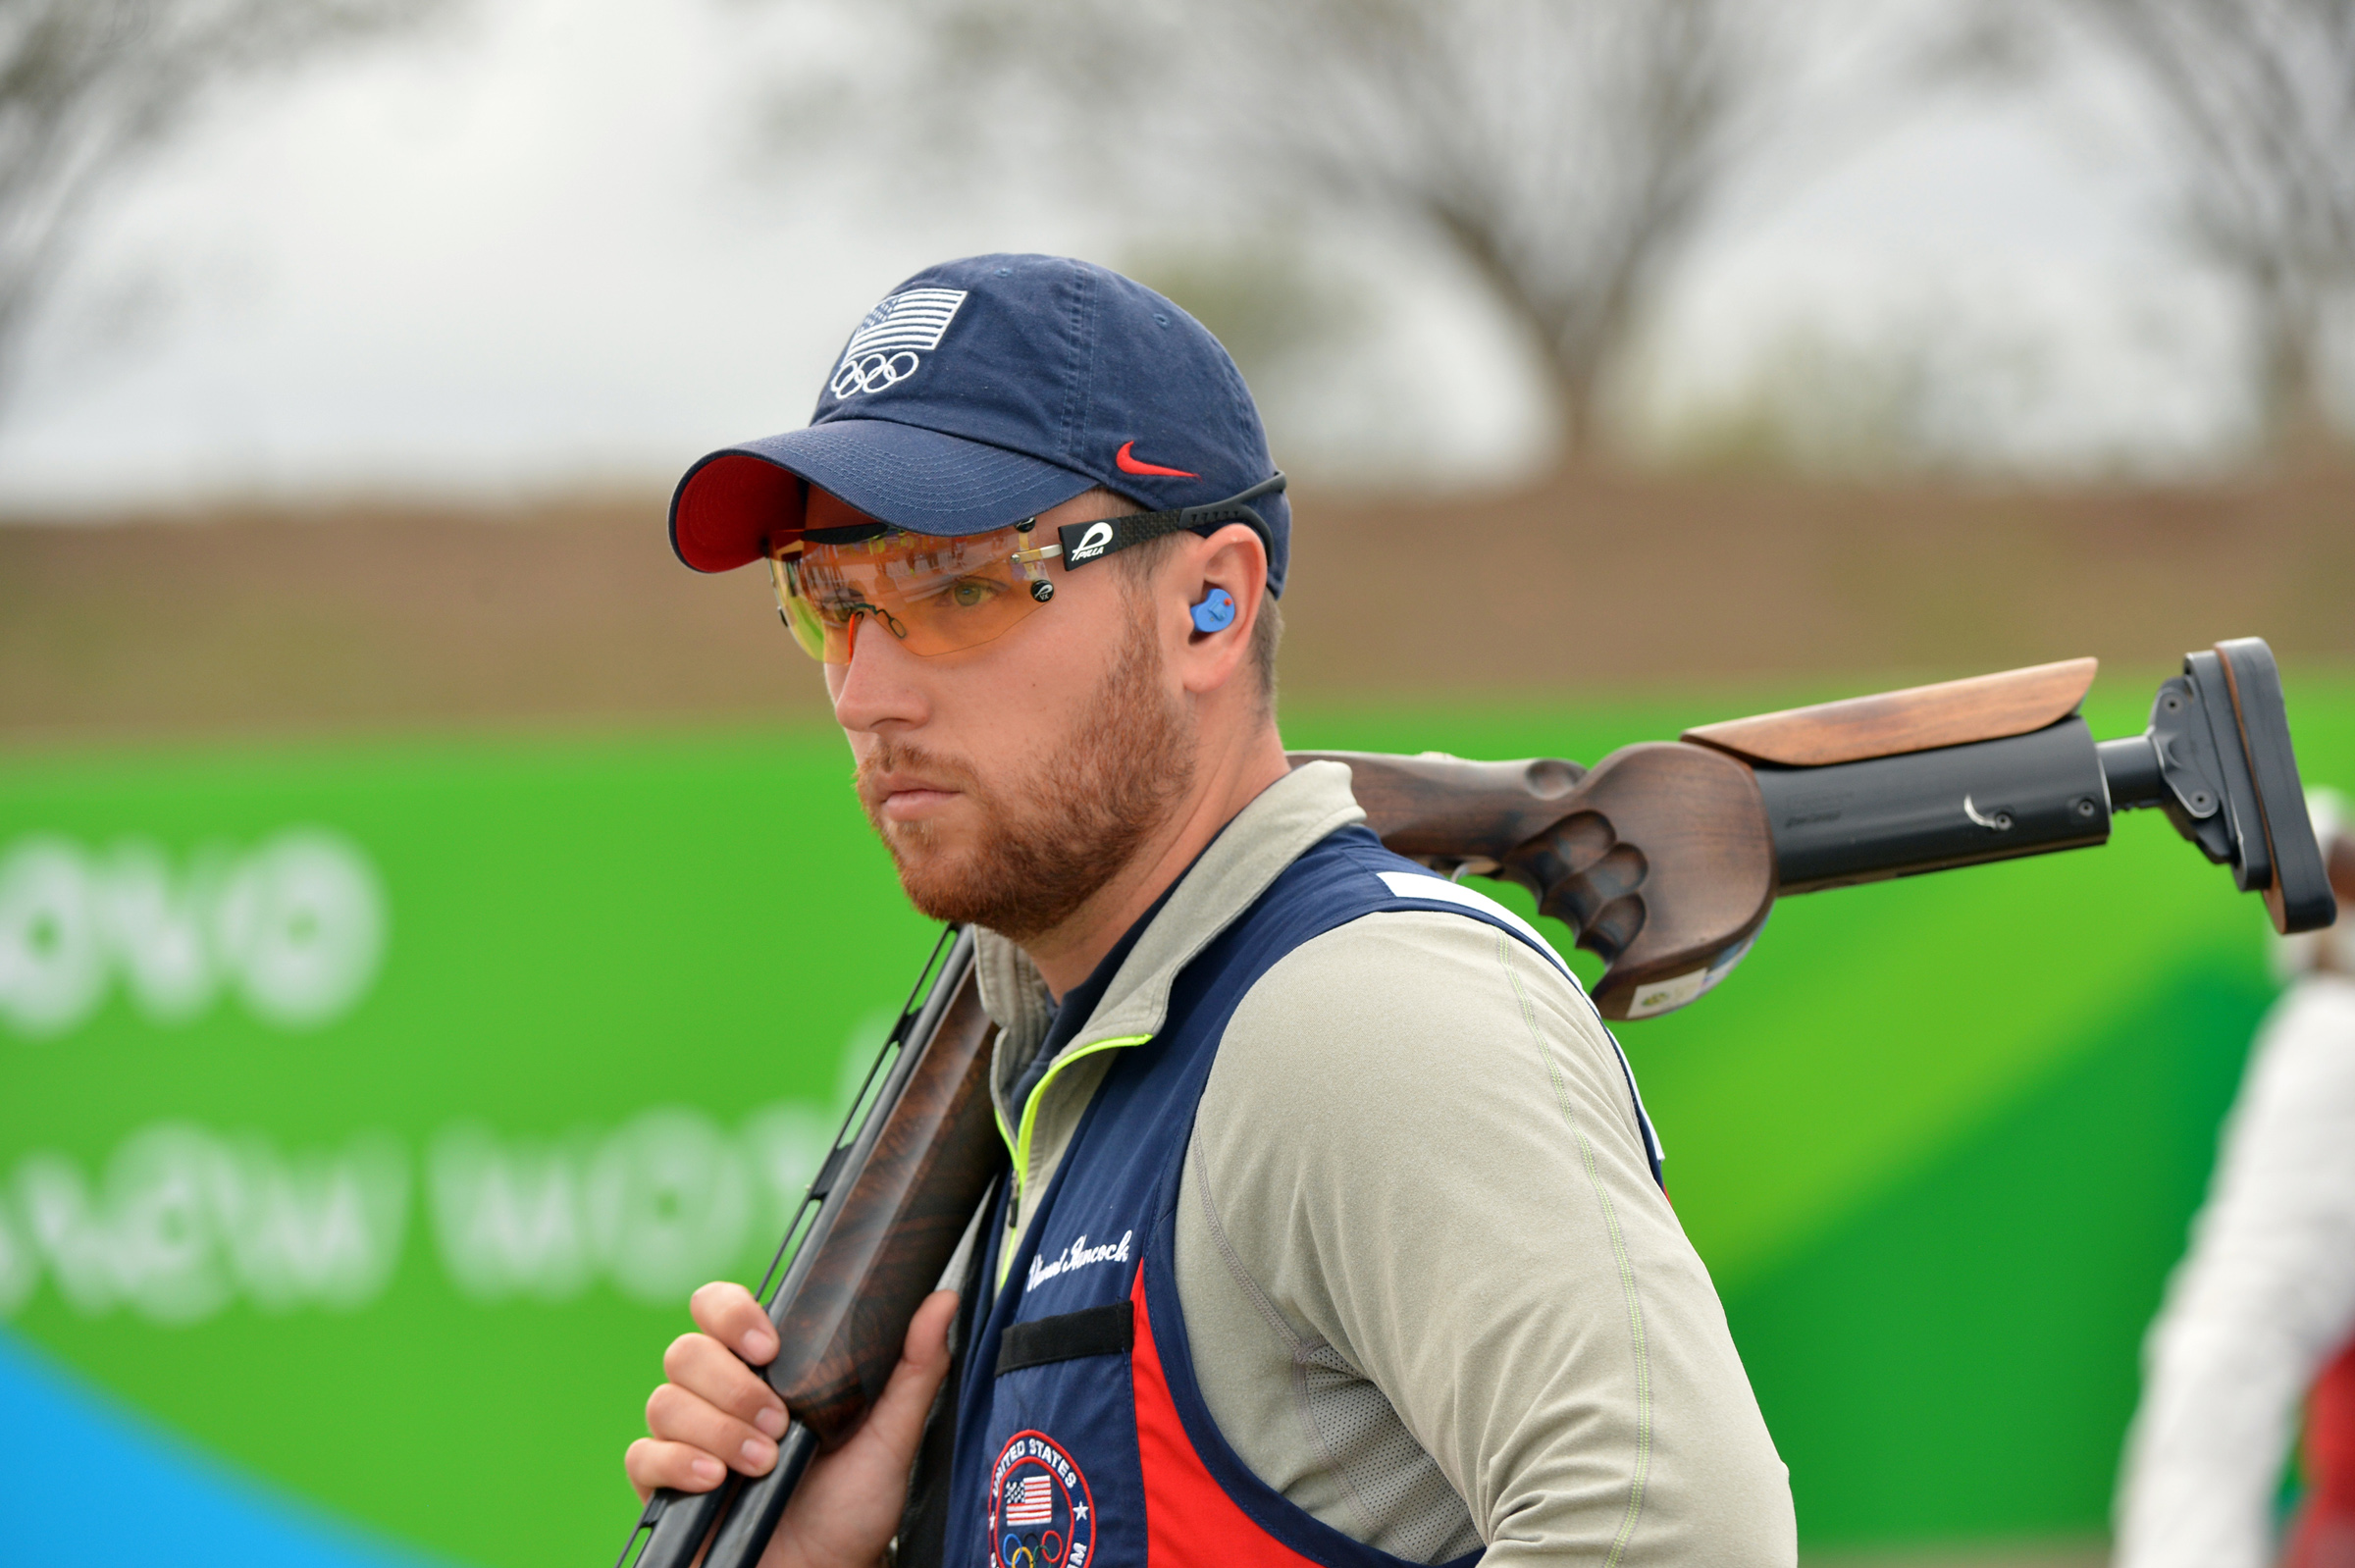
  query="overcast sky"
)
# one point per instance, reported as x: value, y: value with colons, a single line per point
x: 537, y: 248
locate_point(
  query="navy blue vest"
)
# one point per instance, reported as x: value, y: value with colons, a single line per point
x: 1081, y: 1434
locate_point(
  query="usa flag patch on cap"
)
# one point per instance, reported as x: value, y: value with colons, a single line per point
x: 889, y: 342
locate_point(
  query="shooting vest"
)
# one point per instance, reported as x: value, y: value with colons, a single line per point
x: 1081, y: 1434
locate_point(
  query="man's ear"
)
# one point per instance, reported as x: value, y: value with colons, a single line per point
x: 1235, y: 563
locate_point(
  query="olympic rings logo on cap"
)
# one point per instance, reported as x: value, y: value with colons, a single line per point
x: 871, y: 372
x: 884, y: 351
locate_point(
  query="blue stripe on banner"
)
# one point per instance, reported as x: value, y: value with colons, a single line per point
x: 94, y: 1485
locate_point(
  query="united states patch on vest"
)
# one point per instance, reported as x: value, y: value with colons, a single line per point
x: 1041, y: 1513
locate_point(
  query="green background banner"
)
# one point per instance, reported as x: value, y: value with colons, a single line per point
x: 367, y: 1111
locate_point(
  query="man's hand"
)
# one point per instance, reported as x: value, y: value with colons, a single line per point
x: 716, y: 1414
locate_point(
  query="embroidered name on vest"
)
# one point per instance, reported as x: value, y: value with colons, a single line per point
x: 1079, y: 1255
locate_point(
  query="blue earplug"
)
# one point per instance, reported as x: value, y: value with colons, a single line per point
x: 1216, y: 612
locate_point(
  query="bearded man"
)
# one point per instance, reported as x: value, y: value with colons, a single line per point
x: 1332, y: 1229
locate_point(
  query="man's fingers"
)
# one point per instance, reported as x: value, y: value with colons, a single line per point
x: 729, y: 1314
x: 717, y: 1411
x: 715, y: 1414
x: 702, y: 1367
x: 674, y: 1415
x: 652, y: 1463
x: 927, y: 1341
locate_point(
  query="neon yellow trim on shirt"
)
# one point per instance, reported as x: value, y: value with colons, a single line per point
x: 1019, y: 1145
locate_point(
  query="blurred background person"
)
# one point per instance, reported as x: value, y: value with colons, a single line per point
x: 2262, y: 1311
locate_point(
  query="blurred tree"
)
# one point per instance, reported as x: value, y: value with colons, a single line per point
x: 88, y: 86
x: 2261, y: 99
x: 2257, y: 99
x: 1933, y: 387
x: 1566, y: 150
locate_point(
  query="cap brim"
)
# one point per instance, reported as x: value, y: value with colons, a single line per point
x: 916, y: 479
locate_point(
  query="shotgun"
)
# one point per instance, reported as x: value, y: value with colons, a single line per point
x: 1663, y: 859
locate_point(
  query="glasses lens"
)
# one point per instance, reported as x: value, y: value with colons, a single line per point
x: 936, y: 595
x: 800, y: 615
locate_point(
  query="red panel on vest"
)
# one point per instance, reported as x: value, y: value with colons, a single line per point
x: 1188, y: 1517
x: 2324, y: 1537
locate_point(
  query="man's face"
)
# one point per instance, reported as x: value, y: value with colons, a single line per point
x: 1013, y: 780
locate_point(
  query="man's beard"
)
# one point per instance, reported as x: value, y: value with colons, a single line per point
x: 1051, y: 841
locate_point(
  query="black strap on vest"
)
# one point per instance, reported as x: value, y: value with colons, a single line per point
x: 1094, y: 1332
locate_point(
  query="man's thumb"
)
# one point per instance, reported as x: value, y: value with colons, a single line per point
x: 899, y: 1415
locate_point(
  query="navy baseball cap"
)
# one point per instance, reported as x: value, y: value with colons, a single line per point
x: 983, y: 391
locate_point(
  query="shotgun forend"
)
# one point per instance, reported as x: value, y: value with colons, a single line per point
x: 884, y: 1215
x: 1665, y: 858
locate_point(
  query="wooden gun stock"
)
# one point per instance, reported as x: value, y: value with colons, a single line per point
x: 1665, y: 858
x: 1661, y: 859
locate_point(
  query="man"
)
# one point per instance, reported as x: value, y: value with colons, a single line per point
x: 1331, y: 1229
x: 2261, y: 1312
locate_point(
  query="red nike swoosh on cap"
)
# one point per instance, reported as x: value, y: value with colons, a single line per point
x: 1137, y: 465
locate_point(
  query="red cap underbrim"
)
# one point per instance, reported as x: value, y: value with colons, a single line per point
x: 729, y: 506
x: 925, y: 481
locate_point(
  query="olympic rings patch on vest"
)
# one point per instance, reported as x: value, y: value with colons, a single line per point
x: 1041, y: 1512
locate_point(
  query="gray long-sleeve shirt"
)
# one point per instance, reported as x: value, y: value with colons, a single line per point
x: 1433, y: 1294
